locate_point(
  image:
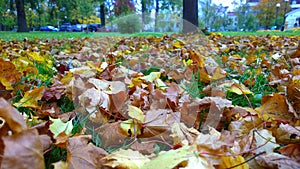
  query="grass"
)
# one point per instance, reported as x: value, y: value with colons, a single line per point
x: 263, y: 33
x: 7, y: 36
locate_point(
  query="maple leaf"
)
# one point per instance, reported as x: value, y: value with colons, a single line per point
x: 126, y: 159
x: 82, y: 154
x: 229, y: 161
x: 276, y: 107
x: 275, y: 160
x: 31, y: 98
x: 11, y: 119
x: 112, y: 134
x: 287, y: 134
x: 23, y: 150
x: 136, y: 113
x: 9, y: 76
x: 59, y: 126
x: 173, y: 158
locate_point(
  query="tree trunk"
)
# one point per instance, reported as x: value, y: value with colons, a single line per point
x: 102, y: 14
x: 156, y: 14
x: 190, y: 15
x: 143, y: 14
x: 21, y: 16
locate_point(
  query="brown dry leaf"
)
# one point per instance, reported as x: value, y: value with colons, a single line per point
x: 159, y: 122
x: 31, y: 98
x: 144, y: 148
x: 11, y: 119
x: 287, y: 134
x: 292, y: 151
x: 293, y: 93
x: 216, y: 107
x: 277, y: 161
x: 125, y: 159
x: 23, y: 150
x: 183, y: 135
x: 111, y: 134
x: 55, y: 92
x: 82, y: 154
x: 275, y: 107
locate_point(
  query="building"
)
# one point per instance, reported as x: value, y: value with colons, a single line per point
x: 293, y: 18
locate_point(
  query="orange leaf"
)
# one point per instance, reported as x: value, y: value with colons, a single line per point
x: 275, y: 107
x: 9, y: 76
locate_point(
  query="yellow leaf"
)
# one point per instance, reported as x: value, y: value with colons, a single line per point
x: 151, y: 77
x: 132, y: 126
x: 9, y: 76
x: 126, y: 159
x: 136, y: 113
x: 229, y: 161
x: 178, y: 44
x: 173, y: 158
x: 60, y: 165
x: 59, y: 126
x: 160, y: 84
x: 31, y: 98
x: 239, y: 89
x: 36, y: 57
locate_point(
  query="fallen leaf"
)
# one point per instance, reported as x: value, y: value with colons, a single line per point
x: 82, y: 154
x: 229, y: 161
x: 136, y: 113
x: 265, y: 141
x: 239, y: 89
x: 9, y: 76
x: 112, y: 134
x: 31, y: 98
x: 275, y: 160
x: 287, y: 134
x: 60, y: 165
x: 292, y: 151
x: 11, y: 119
x: 126, y: 159
x: 173, y: 158
x: 23, y: 150
x: 275, y: 107
x: 58, y: 126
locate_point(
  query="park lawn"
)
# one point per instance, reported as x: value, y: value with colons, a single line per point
x: 7, y: 36
x: 234, y: 90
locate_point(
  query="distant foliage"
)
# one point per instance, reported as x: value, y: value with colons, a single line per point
x: 129, y: 24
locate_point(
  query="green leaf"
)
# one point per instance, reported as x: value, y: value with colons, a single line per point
x: 58, y: 126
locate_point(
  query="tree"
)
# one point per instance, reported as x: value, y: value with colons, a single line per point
x: 123, y: 7
x: 21, y: 16
x: 209, y: 13
x: 267, y: 12
x: 190, y: 14
x: 102, y: 14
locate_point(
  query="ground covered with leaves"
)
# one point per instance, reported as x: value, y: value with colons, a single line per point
x: 174, y: 101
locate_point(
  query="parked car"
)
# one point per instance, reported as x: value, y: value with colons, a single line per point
x: 48, y: 29
x: 78, y: 27
x: 93, y: 27
x: 65, y: 27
